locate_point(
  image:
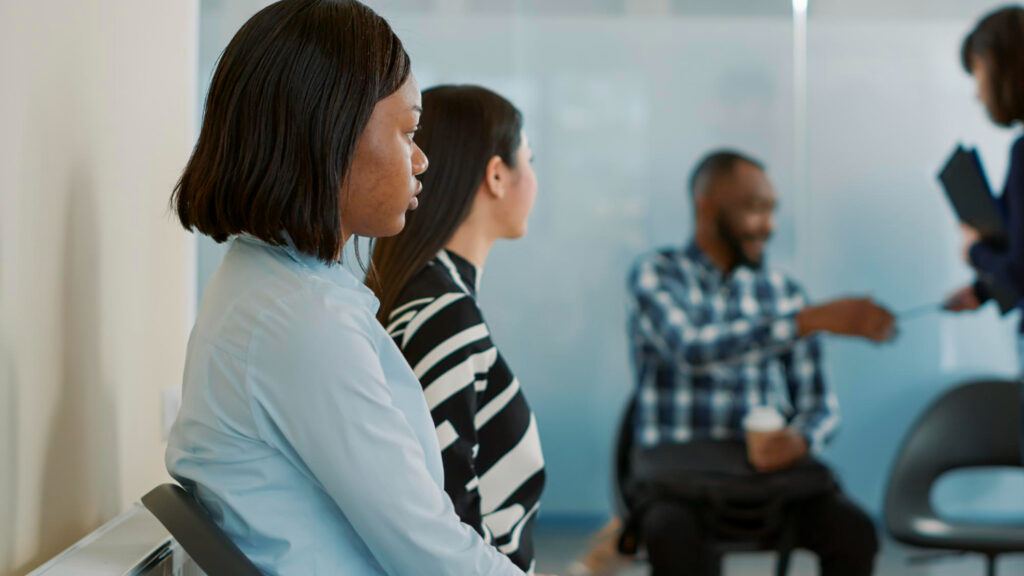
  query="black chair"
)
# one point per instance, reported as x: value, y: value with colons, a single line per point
x: 625, y: 502
x: 623, y: 459
x: 204, y: 542
x: 974, y: 425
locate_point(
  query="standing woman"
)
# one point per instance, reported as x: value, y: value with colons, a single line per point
x: 994, y: 54
x: 302, y: 430
x: 480, y: 188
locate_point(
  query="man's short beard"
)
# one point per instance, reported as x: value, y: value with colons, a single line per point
x: 732, y: 240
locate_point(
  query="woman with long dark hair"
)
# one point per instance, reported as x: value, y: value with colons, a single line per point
x: 993, y: 53
x: 303, y: 431
x: 480, y: 188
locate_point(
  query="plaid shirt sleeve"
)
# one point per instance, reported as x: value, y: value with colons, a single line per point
x: 664, y: 317
x: 815, y: 402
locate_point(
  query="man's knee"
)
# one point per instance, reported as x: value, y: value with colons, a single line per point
x: 836, y: 527
x: 861, y: 534
x: 671, y: 525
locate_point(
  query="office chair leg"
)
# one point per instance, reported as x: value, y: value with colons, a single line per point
x: 990, y: 564
x: 782, y: 567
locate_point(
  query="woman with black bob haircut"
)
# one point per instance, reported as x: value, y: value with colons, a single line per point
x: 303, y: 431
x: 993, y: 53
x: 480, y: 188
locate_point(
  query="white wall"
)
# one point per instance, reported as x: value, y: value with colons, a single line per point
x: 97, y: 113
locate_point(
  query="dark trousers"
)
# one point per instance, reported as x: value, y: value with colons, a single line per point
x: 831, y: 526
x: 1020, y: 356
x: 1022, y: 420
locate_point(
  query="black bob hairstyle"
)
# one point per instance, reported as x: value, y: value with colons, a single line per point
x: 290, y: 97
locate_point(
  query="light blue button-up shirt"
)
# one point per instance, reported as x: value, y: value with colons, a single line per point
x: 304, y: 432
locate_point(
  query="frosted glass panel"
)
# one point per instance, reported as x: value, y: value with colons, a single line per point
x: 886, y: 104
x: 617, y: 110
x: 619, y: 104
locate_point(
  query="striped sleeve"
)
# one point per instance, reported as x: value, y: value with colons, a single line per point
x: 449, y: 348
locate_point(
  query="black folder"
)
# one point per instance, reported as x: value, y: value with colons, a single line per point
x: 968, y: 191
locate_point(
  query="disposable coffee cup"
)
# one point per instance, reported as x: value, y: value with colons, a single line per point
x: 760, y: 423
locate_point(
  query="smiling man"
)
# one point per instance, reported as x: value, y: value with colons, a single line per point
x: 715, y: 332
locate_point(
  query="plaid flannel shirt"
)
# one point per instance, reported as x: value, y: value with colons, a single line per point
x: 707, y: 347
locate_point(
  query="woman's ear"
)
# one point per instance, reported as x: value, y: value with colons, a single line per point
x: 495, y: 177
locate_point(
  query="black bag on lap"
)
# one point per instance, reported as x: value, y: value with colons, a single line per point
x: 735, y: 502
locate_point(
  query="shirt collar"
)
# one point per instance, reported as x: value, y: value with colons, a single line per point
x: 334, y: 272
x: 693, y: 253
x: 461, y: 270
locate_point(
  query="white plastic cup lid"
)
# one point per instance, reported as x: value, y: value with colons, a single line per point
x: 763, y: 419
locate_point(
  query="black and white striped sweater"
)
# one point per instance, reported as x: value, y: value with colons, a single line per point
x: 493, y: 465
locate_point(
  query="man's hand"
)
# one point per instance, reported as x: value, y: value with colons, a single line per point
x: 778, y: 451
x: 969, y: 237
x: 963, y: 300
x: 858, y: 317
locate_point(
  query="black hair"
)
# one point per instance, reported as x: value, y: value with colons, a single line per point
x: 461, y: 129
x: 714, y: 165
x: 290, y: 97
x: 998, y: 39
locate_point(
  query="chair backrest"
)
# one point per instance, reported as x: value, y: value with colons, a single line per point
x: 974, y: 425
x: 623, y: 456
x: 189, y: 524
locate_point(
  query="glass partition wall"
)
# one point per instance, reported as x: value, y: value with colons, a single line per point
x: 852, y: 106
